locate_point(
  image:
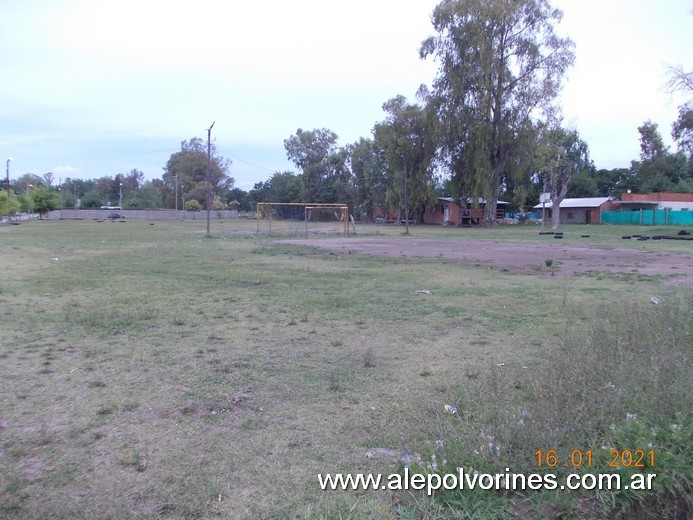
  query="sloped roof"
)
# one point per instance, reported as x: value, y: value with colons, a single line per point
x: 584, y: 202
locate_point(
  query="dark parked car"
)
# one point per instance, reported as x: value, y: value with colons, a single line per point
x: 115, y: 216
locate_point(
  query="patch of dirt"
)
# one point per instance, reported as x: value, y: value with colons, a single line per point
x: 525, y: 258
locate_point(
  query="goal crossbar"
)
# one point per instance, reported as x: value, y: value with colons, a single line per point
x: 261, y: 209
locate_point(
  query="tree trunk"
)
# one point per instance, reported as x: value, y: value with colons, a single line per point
x: 490, y: 211
x: 556, y: 213
x: 499, y: 161
x: 556, y: 199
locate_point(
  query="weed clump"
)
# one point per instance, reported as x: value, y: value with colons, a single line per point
x: 614, y: 398
x: 369, y: 358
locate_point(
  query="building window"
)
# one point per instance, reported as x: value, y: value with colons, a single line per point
x: 570, y: 215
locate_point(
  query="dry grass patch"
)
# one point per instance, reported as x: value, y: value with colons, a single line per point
x: 166, y: 375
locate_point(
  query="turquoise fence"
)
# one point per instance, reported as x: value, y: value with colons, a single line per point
x: 649, y: 217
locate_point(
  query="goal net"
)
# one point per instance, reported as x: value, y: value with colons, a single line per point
x: 301, y: 219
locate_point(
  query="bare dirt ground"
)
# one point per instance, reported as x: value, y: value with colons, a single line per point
x: 527, y: 258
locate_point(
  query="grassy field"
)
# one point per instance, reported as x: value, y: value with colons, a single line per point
x: 147, y: 371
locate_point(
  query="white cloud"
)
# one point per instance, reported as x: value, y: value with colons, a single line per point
x: 64, y: 170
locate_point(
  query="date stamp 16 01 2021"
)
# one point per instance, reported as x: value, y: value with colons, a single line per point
x: 585, y: 459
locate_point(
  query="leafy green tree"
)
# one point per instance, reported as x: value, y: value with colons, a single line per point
x: 583, y: 185
x: 27, y: 182
x: 651, y: 144
x: 127, y: 183
x: 657, y: 183
x: 108, y: 190
x: 500, y: 69
x: 91, y: 199
x: 26, y: 202
x: 321, y: 161
x: 284, y: 187
x: 9, y: 205
x: 281, y: 187
x: 148, y: 196
x: 189, y: 167
x: 341, y: 182
x: 563, y: 156
x: 408, y: 141
x: 259, y: 193
x: 682, y: 129
x: 685, y: 185
x: 193, y: 205
x: 240, y: 197
x: 73, y: 190
x: 368, y: 167
x: 44, y: 200
x: 218, y: 204
x: 658, y: 168
x: 612, y: 183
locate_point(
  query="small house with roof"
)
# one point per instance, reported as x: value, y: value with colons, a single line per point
x: 584, y: 210
x: 447, y: 211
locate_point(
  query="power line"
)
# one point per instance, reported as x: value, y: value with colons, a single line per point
x: 244, y: 161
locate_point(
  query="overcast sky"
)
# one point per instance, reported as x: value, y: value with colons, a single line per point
x: 90, y: 88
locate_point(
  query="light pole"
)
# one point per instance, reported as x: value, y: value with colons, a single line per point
x: 182, y: 199
x: 209, y: 177
x: 8, y: 175
x: 120, y: 201
x: 176, y: 194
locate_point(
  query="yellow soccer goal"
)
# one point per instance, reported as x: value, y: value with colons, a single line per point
x: 301, y: 219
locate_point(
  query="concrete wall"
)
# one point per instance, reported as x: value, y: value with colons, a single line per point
x: 143, y: 214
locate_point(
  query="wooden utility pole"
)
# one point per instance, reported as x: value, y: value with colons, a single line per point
x: 8, y: 176
x: 209, y: 177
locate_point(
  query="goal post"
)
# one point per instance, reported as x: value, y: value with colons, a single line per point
x: 301, y: 219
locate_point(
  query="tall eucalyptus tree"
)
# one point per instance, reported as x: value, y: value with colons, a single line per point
x: 500, y: 67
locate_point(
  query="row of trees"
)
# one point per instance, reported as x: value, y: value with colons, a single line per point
x: 183, y: 185
x: 488, y: 127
